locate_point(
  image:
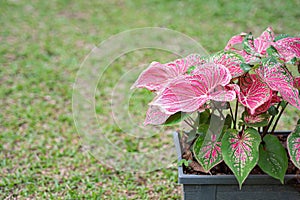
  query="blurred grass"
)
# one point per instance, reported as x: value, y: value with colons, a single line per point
x: 42, y: 44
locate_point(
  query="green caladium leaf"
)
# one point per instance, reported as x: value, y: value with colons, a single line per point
x: 204, y: 117
x: 207, y: 150
x: 241, y: 151
x: 176, y: 118
x: 272, y: 157
x: 273, y: 111
x: 255, y: 120
x: 245, y: 67
x: 293, y: 146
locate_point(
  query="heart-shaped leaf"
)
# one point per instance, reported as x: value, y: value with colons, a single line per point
x: 293, y: 146
x: 157, y: 75
x: 241, y: 151
x: 189, y: 93
x: 272, y: 157
x: 280, y: 79
x: 231, y: 60
x: 254, y: 92
x: 263, y: 42
x: 288, y: 48
x: 207, y: 150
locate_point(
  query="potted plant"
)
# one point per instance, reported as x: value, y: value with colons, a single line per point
x: 232, y: 100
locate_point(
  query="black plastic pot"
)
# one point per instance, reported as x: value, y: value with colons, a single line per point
x: 225, y: 187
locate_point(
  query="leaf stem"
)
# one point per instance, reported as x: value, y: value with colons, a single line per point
x: 276, y: 122
x: 266, y: 128
x: 231, y: 113
x: 191, y: 119
x: 235, y: 115
x: 188, y: 123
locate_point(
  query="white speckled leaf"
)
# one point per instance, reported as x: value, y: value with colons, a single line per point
x: 293, y: 146
x: 241, y: 152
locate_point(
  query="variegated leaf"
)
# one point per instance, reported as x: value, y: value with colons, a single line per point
x: 207, y: 150
x: 293, y: 146
x: 241, y: 151
x: 189, y: 93
x: 154, y: 116
x: 253, y: 93
x: 280, y: 79
x: 288, y: 48
x: 158, y: 75
x: 235, y: 40
x: 231, y: 61
x: 255, y: 120
x: 248, y: 44
x: 263, y: 42
x: 272, y: 157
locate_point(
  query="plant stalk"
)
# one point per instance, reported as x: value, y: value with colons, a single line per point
x: 266, y: 128
x: 231, y: 113
x: 235, y: 115
x: 276, y: 122
x: 188, y: 123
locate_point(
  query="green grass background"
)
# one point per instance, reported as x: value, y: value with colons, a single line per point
x: 42, y: 44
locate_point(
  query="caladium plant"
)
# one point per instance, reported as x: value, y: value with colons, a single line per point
x: 250, y: 79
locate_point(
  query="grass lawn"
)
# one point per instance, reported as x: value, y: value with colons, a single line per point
x: 42, y: 45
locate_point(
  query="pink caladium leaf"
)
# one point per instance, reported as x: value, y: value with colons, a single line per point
x: 280, y: 79
x: 240, y: 151
x: 288, y: 48
x: 231, y: 60
x: 189, y: 93
x: 157, y: 75
x: 155, y: 117
x: 264, y: 108
x: 238, y: 40
x: 256, y: 46
x: 264, y: 41
x: 235, y: 40
x: 293, y: 146
x: 207, y: 150
x: 253, y: 93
